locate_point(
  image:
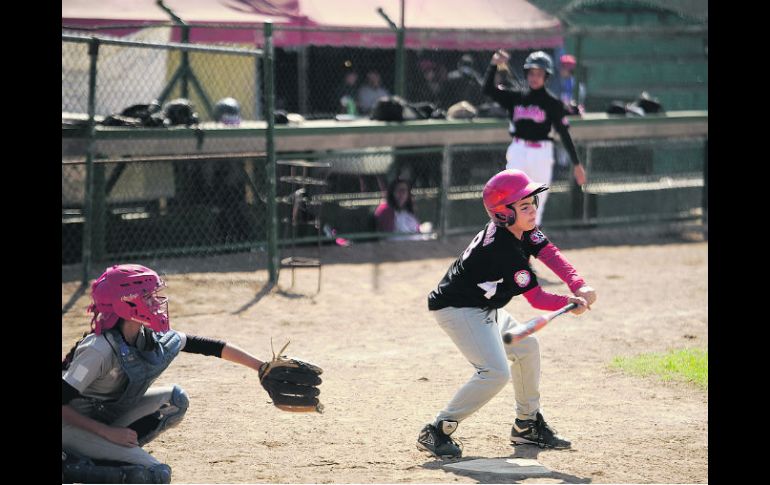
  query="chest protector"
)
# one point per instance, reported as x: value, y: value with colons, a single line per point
x: 142, y: 368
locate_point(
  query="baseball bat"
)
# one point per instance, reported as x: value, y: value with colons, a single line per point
x: 516, y: 78
x: 531, y: 326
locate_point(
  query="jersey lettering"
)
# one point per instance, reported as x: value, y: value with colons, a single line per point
x: 473, y: 244
x: 531, y: 112
x: 490, y: 287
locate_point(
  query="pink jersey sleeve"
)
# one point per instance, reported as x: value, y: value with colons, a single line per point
x: 544, y: 301
x: 552, y: 257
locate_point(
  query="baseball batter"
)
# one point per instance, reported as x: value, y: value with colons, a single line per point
x: 468, y: 305
x: 532, y: 113
x: 109, y: 410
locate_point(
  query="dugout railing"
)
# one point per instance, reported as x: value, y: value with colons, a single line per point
x: 640, y: 169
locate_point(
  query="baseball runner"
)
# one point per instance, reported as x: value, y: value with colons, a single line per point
x: 468, y: 305
x: 109, y: 410
x: 533, y: 112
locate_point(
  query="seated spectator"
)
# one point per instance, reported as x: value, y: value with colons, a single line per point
x: 567, y: 86
x: 370, y: 92
x: 346, y: 92
x: 462, y: 84
x: 396, y: 213
x: 427, y: 85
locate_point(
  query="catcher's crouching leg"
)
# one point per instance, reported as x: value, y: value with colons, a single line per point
x: 78, y: 469
x: 171, y: 414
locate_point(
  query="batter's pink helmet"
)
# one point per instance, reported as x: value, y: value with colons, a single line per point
x: 505, y: 188
x: 128, y: 291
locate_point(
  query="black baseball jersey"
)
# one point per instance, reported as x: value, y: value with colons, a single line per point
x: 493, y: 269
x: 532, y: 112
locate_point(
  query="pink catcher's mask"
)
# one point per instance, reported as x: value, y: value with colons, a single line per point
x: 131, y: 292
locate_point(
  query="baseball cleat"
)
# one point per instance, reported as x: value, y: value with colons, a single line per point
x: 438, y: 444
x: 537, y: 432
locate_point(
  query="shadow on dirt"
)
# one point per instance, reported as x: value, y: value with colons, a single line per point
x: 260, y: 294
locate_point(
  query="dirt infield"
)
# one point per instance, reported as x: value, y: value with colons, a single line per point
x: 389, y: 368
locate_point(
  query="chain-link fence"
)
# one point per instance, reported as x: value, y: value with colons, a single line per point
x: 321, y: 82
x: 159, y: 194
x: 154, y: 200
x: 165, y: 207
x: 146, y: 67
x: 315, y: 81
x: 632, y: 180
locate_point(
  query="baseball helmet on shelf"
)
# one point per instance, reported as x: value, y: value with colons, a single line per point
x: 540, y: 60
x: 180, y: 111
x: 228, y: 111
x: 503, y: 190
x: 131, y: 292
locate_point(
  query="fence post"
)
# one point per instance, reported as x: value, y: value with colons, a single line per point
x: 705, y: 201
x: 258, y: 84
x: 185, y: 62
x: 443, y: 204
x: 400, y: 87
x: 99, y: 212
x: 580, y: 198
x: 302, y: 77
x: 272, y: 212
x: 93, y: 54
x: 399, y: 30
x: 580, y: 71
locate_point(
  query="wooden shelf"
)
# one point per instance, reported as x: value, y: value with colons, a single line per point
x: 300, y: 262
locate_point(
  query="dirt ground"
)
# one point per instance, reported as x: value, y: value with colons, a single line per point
x: 388, y: 367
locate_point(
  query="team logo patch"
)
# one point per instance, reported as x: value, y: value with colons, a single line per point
x: 537, y: 237
x: 522, y: 278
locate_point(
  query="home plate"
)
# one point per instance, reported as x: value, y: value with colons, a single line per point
x: 505, y: 466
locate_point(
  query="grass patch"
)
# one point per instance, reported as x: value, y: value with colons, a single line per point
x: 691, y: 365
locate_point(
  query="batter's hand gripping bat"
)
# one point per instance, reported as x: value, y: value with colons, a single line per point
x: 531, y: 326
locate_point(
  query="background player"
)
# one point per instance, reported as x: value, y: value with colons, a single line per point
x: 467, y: 305
x: 533, y: 112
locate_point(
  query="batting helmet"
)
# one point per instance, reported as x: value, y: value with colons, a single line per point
x: 129, y: 291
x: 568, y: 61
x: 540, y: 60
x: 180, y: 111
x: 503, y: 190
x: 228, y: 111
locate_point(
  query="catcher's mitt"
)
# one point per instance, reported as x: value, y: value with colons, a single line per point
x: 291, y: 383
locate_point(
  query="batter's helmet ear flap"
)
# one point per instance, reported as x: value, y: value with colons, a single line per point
x: 507, y: 218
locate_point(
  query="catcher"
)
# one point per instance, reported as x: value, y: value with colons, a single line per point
x: 109, y: 410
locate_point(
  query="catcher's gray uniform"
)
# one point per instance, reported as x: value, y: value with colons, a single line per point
x: 96, y: 373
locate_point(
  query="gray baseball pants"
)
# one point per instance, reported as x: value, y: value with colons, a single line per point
x: 477, y: 333
x: 88, y: 444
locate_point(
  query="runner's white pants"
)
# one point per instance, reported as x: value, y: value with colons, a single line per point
x: 536, y: 162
